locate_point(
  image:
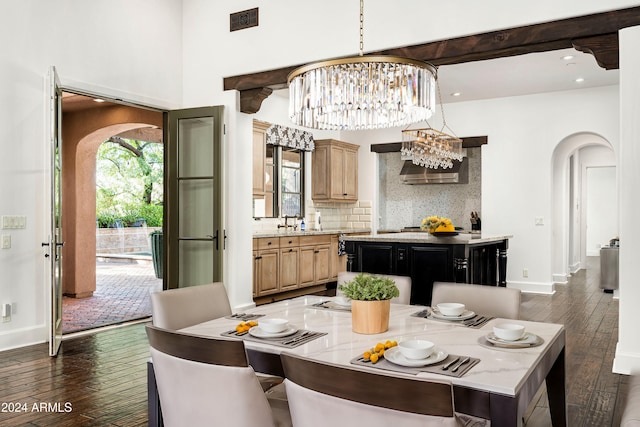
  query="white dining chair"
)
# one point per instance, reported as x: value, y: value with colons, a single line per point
x: 484, y: 300
x: 402, y: 282
x: 321, y: 394
x: 178, y: 308
x: 204, y: 381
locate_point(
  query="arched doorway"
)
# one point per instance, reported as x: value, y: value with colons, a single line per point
x: 86, y: 124
x: 571, y: 159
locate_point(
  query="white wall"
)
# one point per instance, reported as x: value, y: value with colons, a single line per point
x: 124, y: 47
x: 602, y: 207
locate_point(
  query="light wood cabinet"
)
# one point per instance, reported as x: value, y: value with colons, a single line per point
x: 314, y: 260
x: 286, y: 263
x: 259, y: 155
x: 334, y: 170
x: 289, y: 257
x: 266, y: 266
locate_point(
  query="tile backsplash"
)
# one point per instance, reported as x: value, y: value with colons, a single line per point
x: 404, y: 205
x: 333, y: 216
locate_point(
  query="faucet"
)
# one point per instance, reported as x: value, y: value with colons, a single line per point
x: 287, y: 225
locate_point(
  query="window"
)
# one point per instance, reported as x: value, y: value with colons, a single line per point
x: 284, y: 183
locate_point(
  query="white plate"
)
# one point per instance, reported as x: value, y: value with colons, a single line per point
x: 393, y: 355
x: 468, y: 314
x: 259, y: 333
x: 527, y: 340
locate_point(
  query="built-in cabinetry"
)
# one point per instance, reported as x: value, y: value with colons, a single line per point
x: 334, y: 169
x: 259, y: 154
x: 427, y: 260
x: 286, y: 263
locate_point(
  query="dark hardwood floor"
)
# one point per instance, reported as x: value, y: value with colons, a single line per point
x: 103, y: 375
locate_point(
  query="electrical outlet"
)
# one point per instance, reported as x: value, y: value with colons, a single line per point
x: 525, y: 272
x: 539, y: 220
x: 6, y: 241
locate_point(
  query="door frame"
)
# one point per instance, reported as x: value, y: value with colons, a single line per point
x: 55, y: 124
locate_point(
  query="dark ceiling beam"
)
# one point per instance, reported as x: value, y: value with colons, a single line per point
x: 603, y: 48
x: 394, y: 147
x: 594, y: 33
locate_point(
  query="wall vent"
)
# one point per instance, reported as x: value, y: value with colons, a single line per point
x: 244, y: 19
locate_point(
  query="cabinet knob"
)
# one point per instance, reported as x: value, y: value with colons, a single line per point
x: 268, y: 243
x: 258, y: 257
x: 344, y: 194
x: 316, y: 252
x: 290, y: 241
x: 290, y: 250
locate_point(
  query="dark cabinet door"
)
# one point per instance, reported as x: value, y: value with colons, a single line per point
x: 375, y: 258
x: 428, y: 264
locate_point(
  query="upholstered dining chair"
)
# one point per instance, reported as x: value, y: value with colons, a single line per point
x: 485, y: 300
x: 178, y: 308
x: 204, y: 381
x: 322, y: 394
x: 402, y: 282
x: 175, y: 309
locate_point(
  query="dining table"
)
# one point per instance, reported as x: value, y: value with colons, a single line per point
x: 499, y: 386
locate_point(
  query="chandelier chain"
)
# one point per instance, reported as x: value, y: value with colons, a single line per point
x: 361, y: 27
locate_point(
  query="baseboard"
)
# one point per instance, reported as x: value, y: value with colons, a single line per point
x: 575, y: 267
x: 17, y: 338
x: 560, y: 278
x: 625, y: 362
x: 533, y: 287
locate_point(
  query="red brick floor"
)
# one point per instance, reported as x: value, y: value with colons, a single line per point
x: 122, y: 294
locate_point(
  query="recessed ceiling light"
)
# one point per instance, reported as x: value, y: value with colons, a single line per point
x: 579, y: 80
x: 98, y: 100
x: 456, y: 94
x: 568, y: 57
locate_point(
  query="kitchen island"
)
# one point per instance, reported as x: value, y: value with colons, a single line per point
x: 464, y: 258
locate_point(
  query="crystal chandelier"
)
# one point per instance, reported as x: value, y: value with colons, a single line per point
x: 431, y: 148
x: 362, y: 92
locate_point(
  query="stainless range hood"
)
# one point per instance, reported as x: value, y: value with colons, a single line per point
x: 413, y: 174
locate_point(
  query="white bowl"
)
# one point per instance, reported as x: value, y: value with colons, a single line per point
x: 340, y: 300
x: 416, y: 349
x: 451, y: 308
x: 508, y: 331
x: 273, y: 325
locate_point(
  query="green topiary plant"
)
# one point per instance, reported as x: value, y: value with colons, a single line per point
x: 368, y: 287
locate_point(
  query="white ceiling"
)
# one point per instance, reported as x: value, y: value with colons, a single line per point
x: 519, y: 75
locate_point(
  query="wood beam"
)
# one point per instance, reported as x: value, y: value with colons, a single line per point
x: 603, y: 48
x: 590, y: 32
x: 394, y: 147
x: 251, y: 99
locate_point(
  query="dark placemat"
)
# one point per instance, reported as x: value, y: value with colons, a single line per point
x: 330, y: 305
x: 475, y: 322
x: 436, y: 368
x: 302, y: 336
x: 243, y: 317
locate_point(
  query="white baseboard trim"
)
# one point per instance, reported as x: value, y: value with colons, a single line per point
x: 533, y: 287
x: 625, y: 362
x: 17, y: 338
x: 575, y: 267
x: 560, y: 278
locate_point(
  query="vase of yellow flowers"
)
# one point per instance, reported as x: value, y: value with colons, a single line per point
x: 436, y: 224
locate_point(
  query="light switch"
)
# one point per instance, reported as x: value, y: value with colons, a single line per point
x: 14, y: 222
x: 539, y: 220
x: 6, y: 241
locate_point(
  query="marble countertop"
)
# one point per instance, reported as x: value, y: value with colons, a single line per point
x: 422, y: 237
x: 289, y: 232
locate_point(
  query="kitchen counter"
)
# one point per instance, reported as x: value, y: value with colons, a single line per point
x: 289, y: 232
x: 429, y: 239
x: 466, y: 258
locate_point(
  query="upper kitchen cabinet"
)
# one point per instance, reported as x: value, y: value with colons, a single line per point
x: 259, y: 155
x: 334, y: 171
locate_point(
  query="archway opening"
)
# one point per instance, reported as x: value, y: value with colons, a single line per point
x: 96, y: 297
